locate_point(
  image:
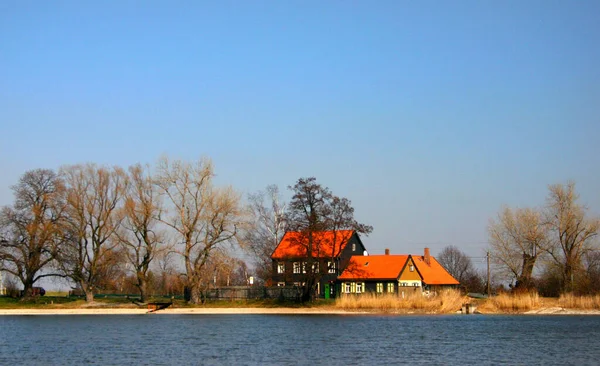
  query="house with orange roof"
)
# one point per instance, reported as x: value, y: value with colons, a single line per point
x: 394, y: 274
x: 329, y: 253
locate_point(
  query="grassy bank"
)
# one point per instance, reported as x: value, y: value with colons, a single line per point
x: 66, y: 302
x: 445, y: 302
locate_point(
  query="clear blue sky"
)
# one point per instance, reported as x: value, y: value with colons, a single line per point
x: 428, y: 115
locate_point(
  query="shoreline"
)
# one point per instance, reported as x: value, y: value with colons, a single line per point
x: 188, y: 311
x: 262, y: 311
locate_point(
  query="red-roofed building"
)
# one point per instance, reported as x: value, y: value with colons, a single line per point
x: 330, y: 251
x: 395, y: 274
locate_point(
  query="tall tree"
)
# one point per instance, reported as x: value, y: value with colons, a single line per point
x: 141, y: 236
x: 457, y: 263
x: 573, y: 233
x: 203, y: 217
x: 314, y: 209
x: 517, y: 239
x: 94, y: 195
x: 31, y: 230
x: 265, y: 228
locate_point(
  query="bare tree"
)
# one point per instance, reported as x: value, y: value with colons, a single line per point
x: 93, y: 198
x: 517, y: 239
x: 315, y: 209
x: 169, y: 281
x: 265, y: 228
x: 573, y: 233
x: 590, y: 283
x: 31, y: 230
x: 140, y: 234
x: 203, y: 217
x: 457, y: 263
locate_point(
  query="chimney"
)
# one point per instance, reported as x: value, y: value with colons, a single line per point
x: 427, y: 257
x: 387, y: 251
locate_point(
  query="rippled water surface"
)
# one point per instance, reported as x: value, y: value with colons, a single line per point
x: 156, y: 339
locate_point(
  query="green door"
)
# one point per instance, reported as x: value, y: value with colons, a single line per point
x: 327, y: 291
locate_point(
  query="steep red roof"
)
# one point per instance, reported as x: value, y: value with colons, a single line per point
x: 294, y: 244
x: 374, y: 267
x: 433, y: 273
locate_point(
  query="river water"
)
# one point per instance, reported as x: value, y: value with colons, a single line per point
x: 155, y: 339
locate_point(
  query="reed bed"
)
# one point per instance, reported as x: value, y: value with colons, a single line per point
x: 444, y: 302
x: 516, y: 302
x: 569, y: 301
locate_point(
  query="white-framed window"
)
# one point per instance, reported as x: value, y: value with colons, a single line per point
x: 315, y: 267
x: 297, y: 284
x: 353, y: 287
x: 416, y: 284
x: 281, y: 267
x: 280, y: 284
x: 303, y: 267
x: 379, y: 287
x: 296, y: 267
x: 354, y: 247
x: 412, y: 268
x: 359, y: 288
x: 390, y: 287
x: 347, y: 287
x: 331, y: 267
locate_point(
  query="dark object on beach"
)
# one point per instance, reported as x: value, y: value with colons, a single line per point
x: 155, y: 306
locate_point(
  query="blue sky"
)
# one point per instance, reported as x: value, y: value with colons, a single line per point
x: 428, y: 115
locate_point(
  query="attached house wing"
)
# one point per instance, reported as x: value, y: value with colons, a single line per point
x: 374, y: 267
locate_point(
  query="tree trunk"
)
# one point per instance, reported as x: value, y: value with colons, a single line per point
x: 142, y: 287
x: 88, y: 291
x: 308, y: 290
x: 195, y: 295
x: 27, y: 289
x: 524, y: 280
x: 89, y: 296
x: 568, y: 277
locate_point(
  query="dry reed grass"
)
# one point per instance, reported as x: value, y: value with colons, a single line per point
x: 444, y: 302
x: 570, y: 301
x: 511, y: 303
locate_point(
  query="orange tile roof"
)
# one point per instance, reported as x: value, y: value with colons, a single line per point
x: 374, y: 267
x: 434, y: 273
x: 294, y: 244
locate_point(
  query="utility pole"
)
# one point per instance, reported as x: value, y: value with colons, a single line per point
x: 488, y: 273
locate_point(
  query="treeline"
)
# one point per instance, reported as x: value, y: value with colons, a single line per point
x: 551, y: 250
x: 103, y: 228
x: 156, y: 230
